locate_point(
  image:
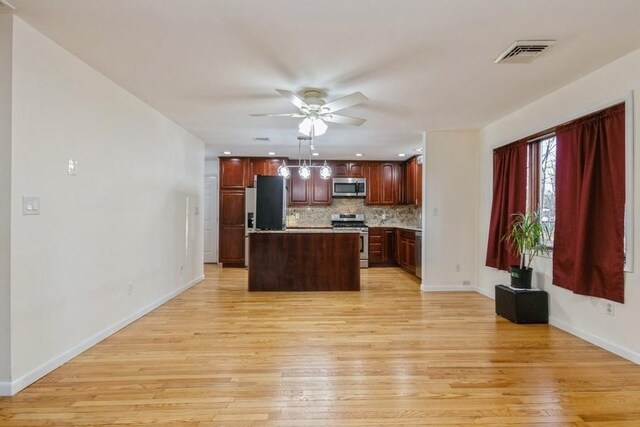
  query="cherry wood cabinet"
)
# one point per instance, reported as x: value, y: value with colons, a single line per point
x: 349, y: 169
x: 234, y: 172
x: 411, y: 178
x: 383, y: 183
x: 231, y: 251
x: 262, y: 166
x: 406, y: 250
x: 382, y: 246
x: 314, y: 191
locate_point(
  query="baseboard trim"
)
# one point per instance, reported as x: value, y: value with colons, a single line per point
x: 445, y: 288
x: 623, y: 352
x: 10, y: 389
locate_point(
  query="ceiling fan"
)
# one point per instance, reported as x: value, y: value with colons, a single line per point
x: 315, y: 111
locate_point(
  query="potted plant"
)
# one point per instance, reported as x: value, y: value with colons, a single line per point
x: 527, y: 238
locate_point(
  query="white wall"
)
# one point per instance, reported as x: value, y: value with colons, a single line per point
x: 583, y: 316
x: 450, y: 226
x: 121, y: 220
x: 6, y: 35
x: 211, y: 167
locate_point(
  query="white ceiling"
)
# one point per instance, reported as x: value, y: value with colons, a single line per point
x: 424, y: 64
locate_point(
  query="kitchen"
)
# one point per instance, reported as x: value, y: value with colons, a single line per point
x: 381, y: 200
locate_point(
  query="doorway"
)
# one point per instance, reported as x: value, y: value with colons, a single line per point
x: 210, y: 219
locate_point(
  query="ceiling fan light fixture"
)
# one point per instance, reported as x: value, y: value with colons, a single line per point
x: 318, y: 126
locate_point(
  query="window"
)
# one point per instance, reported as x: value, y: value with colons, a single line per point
x: 541, y: 181
x: 547, y: 204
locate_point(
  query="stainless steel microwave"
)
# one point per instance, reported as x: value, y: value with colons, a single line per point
x: 349, y: 187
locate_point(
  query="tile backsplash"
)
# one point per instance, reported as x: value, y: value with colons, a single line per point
x: 320, y: 216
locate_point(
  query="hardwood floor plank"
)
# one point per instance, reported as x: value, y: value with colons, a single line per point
x: 389, y: 355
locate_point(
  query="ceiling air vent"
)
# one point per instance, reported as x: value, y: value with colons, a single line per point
x: 524, y: 51
x: 6, y: 6
x: 260, y: 139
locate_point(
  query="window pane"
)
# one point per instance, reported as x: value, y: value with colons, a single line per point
x: 548, y: 185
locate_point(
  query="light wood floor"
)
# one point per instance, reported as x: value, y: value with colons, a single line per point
x: 388, y: 355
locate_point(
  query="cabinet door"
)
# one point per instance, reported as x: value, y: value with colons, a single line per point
x: 233, y: 172
x: 298, y: 190
x: 374, y: 184
x: 232, y: 244
x: 340, y: 169
x: 232, y: 207
x: 320, y: 189
x: 376, y: 248
x: 272, y: 166
x: 389, y: 246
x: 411, y: 182
x: 388, y: 183
x: 358, y: 169
x: 419, y: 183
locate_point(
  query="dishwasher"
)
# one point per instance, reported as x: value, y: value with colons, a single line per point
x: 419, y: 254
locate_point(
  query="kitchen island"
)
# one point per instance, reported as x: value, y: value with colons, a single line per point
x: 304, y: 260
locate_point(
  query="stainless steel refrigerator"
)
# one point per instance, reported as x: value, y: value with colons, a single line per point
x: 249, y: 219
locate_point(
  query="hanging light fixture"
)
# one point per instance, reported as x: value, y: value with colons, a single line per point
x: 284, y: 171
x: 304, y: 171
x: 325, y: 171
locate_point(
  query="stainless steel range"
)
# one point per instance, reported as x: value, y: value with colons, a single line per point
x: 355, y: 222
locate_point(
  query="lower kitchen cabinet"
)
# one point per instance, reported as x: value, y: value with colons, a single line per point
x: 406, y: 250
x: 382, y: 246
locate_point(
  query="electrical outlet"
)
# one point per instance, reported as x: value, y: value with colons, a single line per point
x: 384, y: 216
x: 129, y: 288
x: 297, y: 215
x: 610, y: 309
x: 466, y: 283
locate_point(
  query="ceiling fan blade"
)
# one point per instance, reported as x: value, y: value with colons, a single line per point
x: 297, y: 115
x: 344, y: 102
x: 293, y: 98
x: 343, y: 120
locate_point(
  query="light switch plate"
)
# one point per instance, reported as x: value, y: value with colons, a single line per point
x: 72, y: 168
x: 30, y: 205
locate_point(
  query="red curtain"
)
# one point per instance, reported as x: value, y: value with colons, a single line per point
x: 588, y: 250
x: 509, y: 197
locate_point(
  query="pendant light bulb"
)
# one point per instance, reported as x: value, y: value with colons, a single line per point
x: 284, y: 171
x: 304, y: 171
x: 325, y: 171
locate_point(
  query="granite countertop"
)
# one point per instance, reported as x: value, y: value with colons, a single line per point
x: 404, y: 227
x: 307, y: 230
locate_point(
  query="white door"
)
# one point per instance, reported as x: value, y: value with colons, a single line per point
x: 210, y: 219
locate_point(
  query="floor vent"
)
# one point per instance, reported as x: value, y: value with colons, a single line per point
x: 524, y: 51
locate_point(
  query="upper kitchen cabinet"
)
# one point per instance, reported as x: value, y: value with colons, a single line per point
x: 234, y: 172
x: 349, y: 169
x: 314, y: 191
x: 412, y: 182
x: 383, y: 183
x: 262, y: 166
